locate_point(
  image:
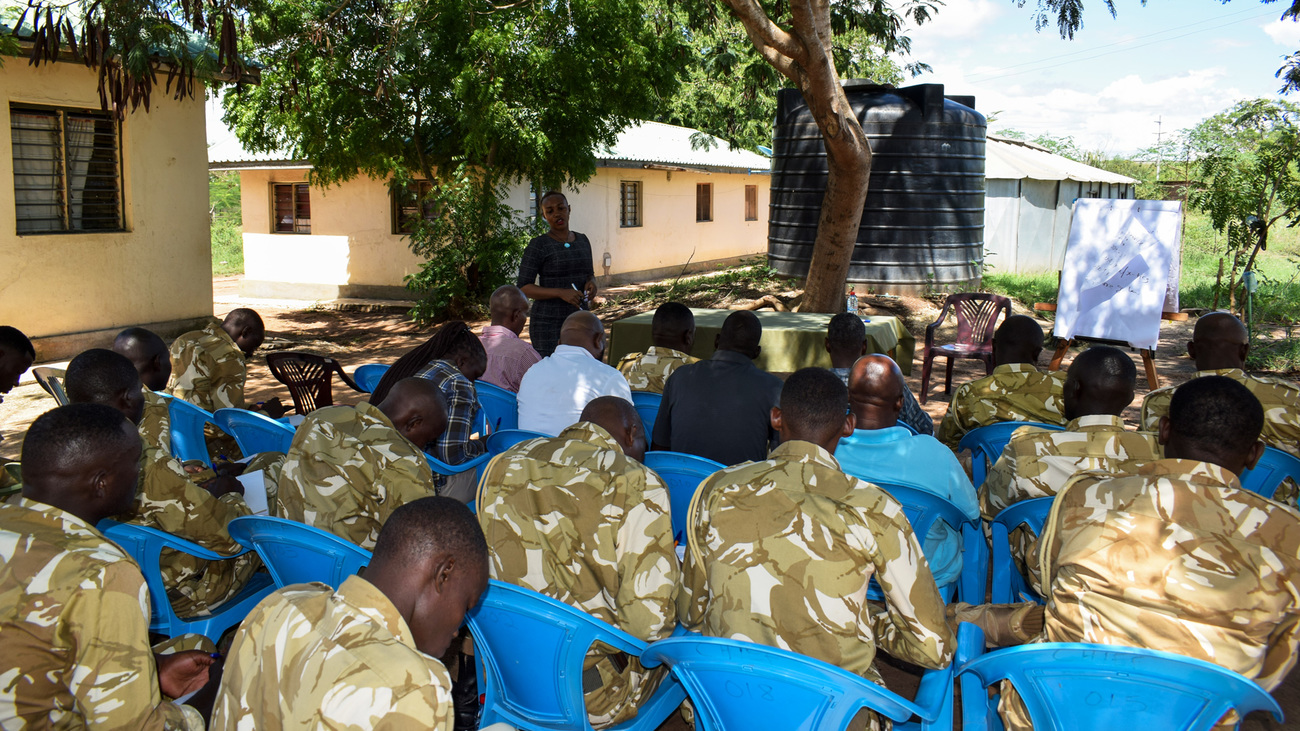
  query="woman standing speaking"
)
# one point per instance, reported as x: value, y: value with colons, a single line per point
x: 557, y: 274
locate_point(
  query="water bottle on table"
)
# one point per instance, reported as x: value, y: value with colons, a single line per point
x: 851, y: 303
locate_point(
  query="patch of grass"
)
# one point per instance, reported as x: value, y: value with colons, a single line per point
x: 1027, y: 289
x: 753, y: 275
x: 227, y: 238
x: 227, y: 247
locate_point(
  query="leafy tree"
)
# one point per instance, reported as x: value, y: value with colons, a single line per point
x: 454, y: 91
x: 132, y: 42
x: 1249, y: 164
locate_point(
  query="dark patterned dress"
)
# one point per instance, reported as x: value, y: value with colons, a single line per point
x: 551, y: 263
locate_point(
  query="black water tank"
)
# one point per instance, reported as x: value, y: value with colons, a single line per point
x: 923, y: 221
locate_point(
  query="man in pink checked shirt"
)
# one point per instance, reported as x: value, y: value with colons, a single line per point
x: 508, y: 356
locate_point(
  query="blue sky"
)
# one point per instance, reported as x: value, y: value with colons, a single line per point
x: 1182, y: 60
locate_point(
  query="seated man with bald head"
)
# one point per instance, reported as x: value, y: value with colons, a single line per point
x: 781, y: 552
x: 554, y: 392
x: 168, y: 499
x: 209, y: 365
x: 75, y: 615
x: 350, y: 467
x: 1016, y: 390
x: 508, y: 357
x: 1219, y: 346
x: 719, y: 408
x: 1037, y: 463
x: 148, y: 353
x: 673, y: 333
x: 880, y: 451
x: 364, y: 655
x: 580, y: 519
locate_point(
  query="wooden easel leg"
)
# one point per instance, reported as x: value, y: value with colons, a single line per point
x: 1061, y: 349
x: 1153, y: 378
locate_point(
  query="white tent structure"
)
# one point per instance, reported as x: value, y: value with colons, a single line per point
x: 1028, y: 203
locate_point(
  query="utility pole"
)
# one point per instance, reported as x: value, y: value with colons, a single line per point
x: 1159, y: 152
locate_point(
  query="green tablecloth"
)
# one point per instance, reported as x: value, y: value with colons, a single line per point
x: 791, y: 340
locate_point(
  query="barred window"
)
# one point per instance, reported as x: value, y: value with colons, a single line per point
x: 704, y: 201
x: 67, y: 170
x: 292, y: 208
x: 629, y: 203
x: 751, y: 202
x: 410, y: 204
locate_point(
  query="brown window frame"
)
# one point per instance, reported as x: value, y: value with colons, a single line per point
x: 703, y: 202
x: 630, y: 209
x: 403, y: 205
x: 107, y: 200
x: 296, y: 205
x: 751, y: 202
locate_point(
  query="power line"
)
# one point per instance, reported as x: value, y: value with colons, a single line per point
x: 981, y: 78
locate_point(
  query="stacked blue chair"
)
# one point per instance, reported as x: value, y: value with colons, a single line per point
x: 296, y: 553
x: 187, y: 422
x: 987, y: 442
x: 1074, y: 687
x: 682, y: 473
x: 442, y: 468
x: 499, y: 404
x: 146, y: 545
x: 1273, y: 468
x: 647, y: 406
x: 531, y: 649
x: 502, y: 440
x: 367, y: 376
x: 922, y: 510
x: 1008, y: 583
x: 741, y: 686
x: 253, y: 432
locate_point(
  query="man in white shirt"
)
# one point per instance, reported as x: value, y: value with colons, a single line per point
x: 557, y: 388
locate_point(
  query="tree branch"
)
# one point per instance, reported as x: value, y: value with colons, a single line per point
x: 764, y: 33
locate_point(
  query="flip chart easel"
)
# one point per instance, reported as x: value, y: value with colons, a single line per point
x: 1120, y: 278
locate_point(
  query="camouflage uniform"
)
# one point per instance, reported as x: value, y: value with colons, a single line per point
x: 208, y: 369
x: 348, y: 469
x: 1178, y: 558
x: 781, y: 553
x: 73, y: 626
x: 170, y: 501
x: 1280, y: 399
x: 649, y: 371
x: 309, y: 657
x: 1013, y: 392
x: 156, y: 426
x: 1038, y: 463
x: 574, y: 518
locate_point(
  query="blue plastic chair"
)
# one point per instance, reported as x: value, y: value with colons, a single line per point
x: 499, y: 404
x: 188, y: 442
x: 296, y: 553
x: 1074, y: 686
x: 922, y: 510
x: 906, y: 426
x: 647, y: 406
x: 253, y: 432
x: 682, y: 473
x: 1273, y: 468
x: 740, y: 686
x: 1008, y: 583
x: 367, y: 376
x: 507, y: 438
x: 531, y: 649
x: 146, y: 545
x: 442, y: 468
x: 987, y: 442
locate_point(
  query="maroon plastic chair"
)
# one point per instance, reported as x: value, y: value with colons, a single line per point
x: 310, y: 378
x: 977, y: 319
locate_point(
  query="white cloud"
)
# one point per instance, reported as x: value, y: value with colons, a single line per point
x: 1283, y: 32
x: 957, y: 19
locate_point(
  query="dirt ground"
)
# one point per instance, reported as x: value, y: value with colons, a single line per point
x: 383, y: 333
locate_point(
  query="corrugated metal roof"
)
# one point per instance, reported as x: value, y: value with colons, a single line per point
x: 1007, y: 159
x: 657, y: 143
x: 647, y: 143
